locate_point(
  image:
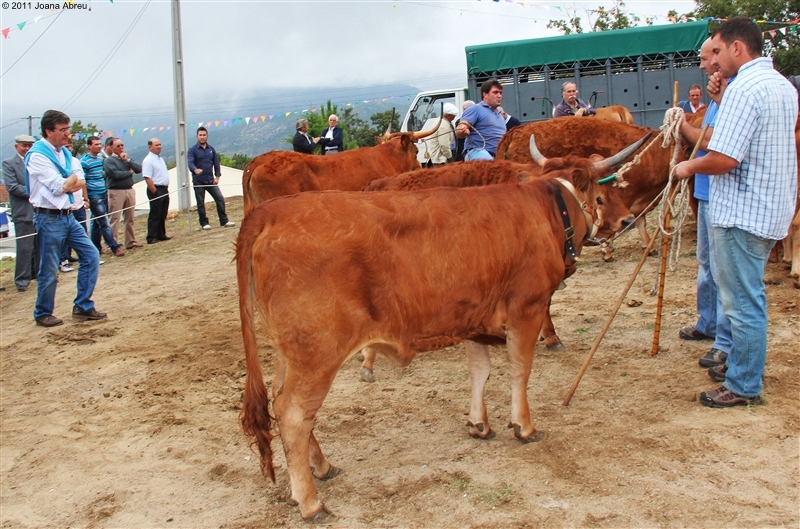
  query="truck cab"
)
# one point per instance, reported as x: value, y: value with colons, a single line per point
x: 425, y: 110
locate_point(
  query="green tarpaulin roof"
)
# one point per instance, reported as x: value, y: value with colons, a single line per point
x: 567, y: 49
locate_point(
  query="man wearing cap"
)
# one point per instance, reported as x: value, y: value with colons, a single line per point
x: 27, y: 258
x: 52, y: 178
x: 442, y: 143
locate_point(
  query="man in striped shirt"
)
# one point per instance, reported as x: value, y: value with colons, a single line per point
x: 97, y: 194
x: 752, y: 161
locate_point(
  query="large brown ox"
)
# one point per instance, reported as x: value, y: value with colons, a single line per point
x: 332, y: 272
x: 584, y: 137
x: 614, y: 113
x: 278, y: 173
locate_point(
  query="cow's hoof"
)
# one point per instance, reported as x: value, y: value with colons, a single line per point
x: 360, y: 357
x: 332, y: 473
x: 291, y: 501
x: 367, y: 376
x: 324, y: 516
x: 609, y: 259
x: 534, y: 437
x: 653, y: 253
x: 558, y: 346
x: 480, y: 431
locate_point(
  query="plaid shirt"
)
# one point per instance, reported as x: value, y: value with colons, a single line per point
x: 755, y: 126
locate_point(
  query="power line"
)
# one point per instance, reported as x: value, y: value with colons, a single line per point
x: 34, y: 42
x: 85, y: 86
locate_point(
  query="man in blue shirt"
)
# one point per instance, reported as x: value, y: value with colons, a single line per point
x: 97, y: 195
x: 752, y: 160
x: 482, y: 124
x: 204, y: 165
x: 712, y: 322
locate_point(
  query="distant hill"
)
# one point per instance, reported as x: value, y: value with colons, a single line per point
x: 254, y: 138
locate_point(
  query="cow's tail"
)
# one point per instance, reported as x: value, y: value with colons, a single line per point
x: 249, y: 198
x: 254, y: 418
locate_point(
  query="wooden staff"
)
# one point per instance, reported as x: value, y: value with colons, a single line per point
x: 608, y: 323
x: 665, y: 248
x: 624, y: 292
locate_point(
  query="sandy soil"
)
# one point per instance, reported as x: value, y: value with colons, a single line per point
x: 132, y: 422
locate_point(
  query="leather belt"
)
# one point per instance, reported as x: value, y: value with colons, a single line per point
x: 48, y: 211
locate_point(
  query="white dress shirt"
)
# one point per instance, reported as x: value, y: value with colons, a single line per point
x: 45, y: 181
x: 155, y: 168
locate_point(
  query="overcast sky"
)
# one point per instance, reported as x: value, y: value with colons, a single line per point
x: 113, y: 61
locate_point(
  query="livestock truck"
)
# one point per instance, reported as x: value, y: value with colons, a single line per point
x: 635, y: 67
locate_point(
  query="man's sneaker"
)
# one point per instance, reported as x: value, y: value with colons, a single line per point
x: 83, y: 315
x: 717, y: 373
x: 722, y: 397
x: 230, y: 224
x: 714, y: 357
x: 65, y: 267
x: 49, y: 321
x: 101, y: 262
x: 207, y: 227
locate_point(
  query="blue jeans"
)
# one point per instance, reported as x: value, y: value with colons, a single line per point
x: 53, y: 231
x: 98, y: 204
x: 80, y: 216
x: 216, y: 194
x: 712, y: 320
x: 478, y: 154
x: 741, y: 259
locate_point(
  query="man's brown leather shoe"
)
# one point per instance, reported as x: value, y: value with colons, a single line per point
x: 49, y: 321
x: 80, y: 315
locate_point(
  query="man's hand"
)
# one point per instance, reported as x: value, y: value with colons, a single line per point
x: 682, y: 171
x: 198, y: 171
x: 462, y: 131
x: 71, y: 183
x: 216, y: 180
x: 580, y: 112
x: 716, y: 87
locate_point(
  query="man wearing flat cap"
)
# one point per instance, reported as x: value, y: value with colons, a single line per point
x: 21, y: 213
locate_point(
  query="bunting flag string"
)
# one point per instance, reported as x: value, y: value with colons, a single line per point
x: 230, y: 122
x: 53, y: 12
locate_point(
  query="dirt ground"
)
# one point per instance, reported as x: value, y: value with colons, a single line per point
x: 132, y: 422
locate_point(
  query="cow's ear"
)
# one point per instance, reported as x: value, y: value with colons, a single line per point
x: 405, y: 139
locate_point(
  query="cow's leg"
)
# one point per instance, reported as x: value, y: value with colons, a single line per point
x: 368, y: 364
x: 794, y: 232
x: 551, y: 339
x: 521, y: 342
x: 320, y: 467
x: 479, y: 366
x: 295, y: 408
x: 641, y: 224
x: 280, y: 376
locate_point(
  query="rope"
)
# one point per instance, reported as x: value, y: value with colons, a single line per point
x: 120, y: 211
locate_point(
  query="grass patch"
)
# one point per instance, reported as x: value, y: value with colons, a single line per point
x: 480, y: 493
x: 582, y: 330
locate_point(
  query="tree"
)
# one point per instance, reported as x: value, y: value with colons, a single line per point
x: 237, y: 161
x: 604, y: 20
x: 79, y: 134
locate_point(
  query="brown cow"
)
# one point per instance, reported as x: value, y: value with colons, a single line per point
x: 584, y: 137
x: 614, y: 113
x: 332, y: 272
x: 278, y: 173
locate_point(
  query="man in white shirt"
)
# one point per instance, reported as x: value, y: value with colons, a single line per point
x: 154, y: 171
x: 51, y: 181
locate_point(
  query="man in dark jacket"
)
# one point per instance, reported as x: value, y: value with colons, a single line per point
x: 119, y: 169
x: 302, y: 142
x: 27, y: 260
x: 332, y: 138
x: 204, y: 165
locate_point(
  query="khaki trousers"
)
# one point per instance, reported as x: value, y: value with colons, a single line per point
x: 117, y: 200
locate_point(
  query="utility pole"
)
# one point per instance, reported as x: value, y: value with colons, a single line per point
x: 182, y: 167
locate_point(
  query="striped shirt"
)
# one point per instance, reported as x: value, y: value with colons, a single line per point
x: 95, y: 180
x: 755, y: 126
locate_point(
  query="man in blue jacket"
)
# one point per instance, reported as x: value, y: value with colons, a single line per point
x: 204, y: 165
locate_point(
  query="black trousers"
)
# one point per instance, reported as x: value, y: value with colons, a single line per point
x: 156, y: 220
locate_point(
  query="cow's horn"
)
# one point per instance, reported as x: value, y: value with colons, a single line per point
x: 388, y: 132
x: 621, y: 156
x: 537, y: 156
x: 425, y: 133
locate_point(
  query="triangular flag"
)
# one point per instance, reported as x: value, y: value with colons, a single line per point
x: 5, y: 32
x: 145, y: 129
x: 255, y: 119
x: 224, y: 123
x: 35, y: 20
x: 161, y: 127
x: 131, y: 131
x: 247, y: 121
x: 287, y: 113
x: 208, y: 124
x: 264, y: 118
x: 21, y: 25
x: 216, y: 123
